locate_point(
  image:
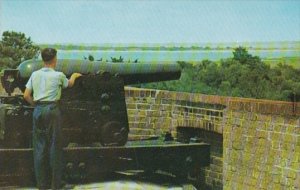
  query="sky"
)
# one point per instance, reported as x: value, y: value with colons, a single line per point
x: 152, y: 21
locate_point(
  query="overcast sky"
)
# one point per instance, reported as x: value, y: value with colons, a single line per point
x: 150, y: 21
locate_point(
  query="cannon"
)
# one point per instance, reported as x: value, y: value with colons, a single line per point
x: 131, y: 73
x: 95, y: 122
x: 97, y: 100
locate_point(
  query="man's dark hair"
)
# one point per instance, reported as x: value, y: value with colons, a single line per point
x: 48, y: 54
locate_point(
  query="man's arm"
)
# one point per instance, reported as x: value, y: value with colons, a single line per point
x: 73, y: 78
x: 28, y: 97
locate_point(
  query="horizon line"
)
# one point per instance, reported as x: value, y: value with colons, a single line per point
x: 169, y: 43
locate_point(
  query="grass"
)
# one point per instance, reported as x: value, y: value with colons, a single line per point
x: 294, y: 61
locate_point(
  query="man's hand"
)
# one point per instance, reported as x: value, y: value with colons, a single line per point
x: 27, y: 96
x: 73, y: 78
x: 76, y: 75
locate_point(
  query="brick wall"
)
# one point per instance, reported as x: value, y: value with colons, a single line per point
x: 152, y: 113
x: 261, y: 146
x: 255, y: 143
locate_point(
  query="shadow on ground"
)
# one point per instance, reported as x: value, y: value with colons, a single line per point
x: 136, y: 180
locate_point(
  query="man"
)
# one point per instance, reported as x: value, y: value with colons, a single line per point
x: 46, y: 85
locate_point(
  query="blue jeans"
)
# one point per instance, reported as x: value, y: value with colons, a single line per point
x: 47, y: 145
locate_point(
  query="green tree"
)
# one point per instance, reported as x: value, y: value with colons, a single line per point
x: 243, y: 75
x: 241, y: 55
x: 91, y: 58
x: 225, y: 88
x: 117, y: 60
x: 15, y: 47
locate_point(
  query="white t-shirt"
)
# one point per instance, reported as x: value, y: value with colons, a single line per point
x: 46, y: 84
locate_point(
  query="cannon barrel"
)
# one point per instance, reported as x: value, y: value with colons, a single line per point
x: 132, y: 73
